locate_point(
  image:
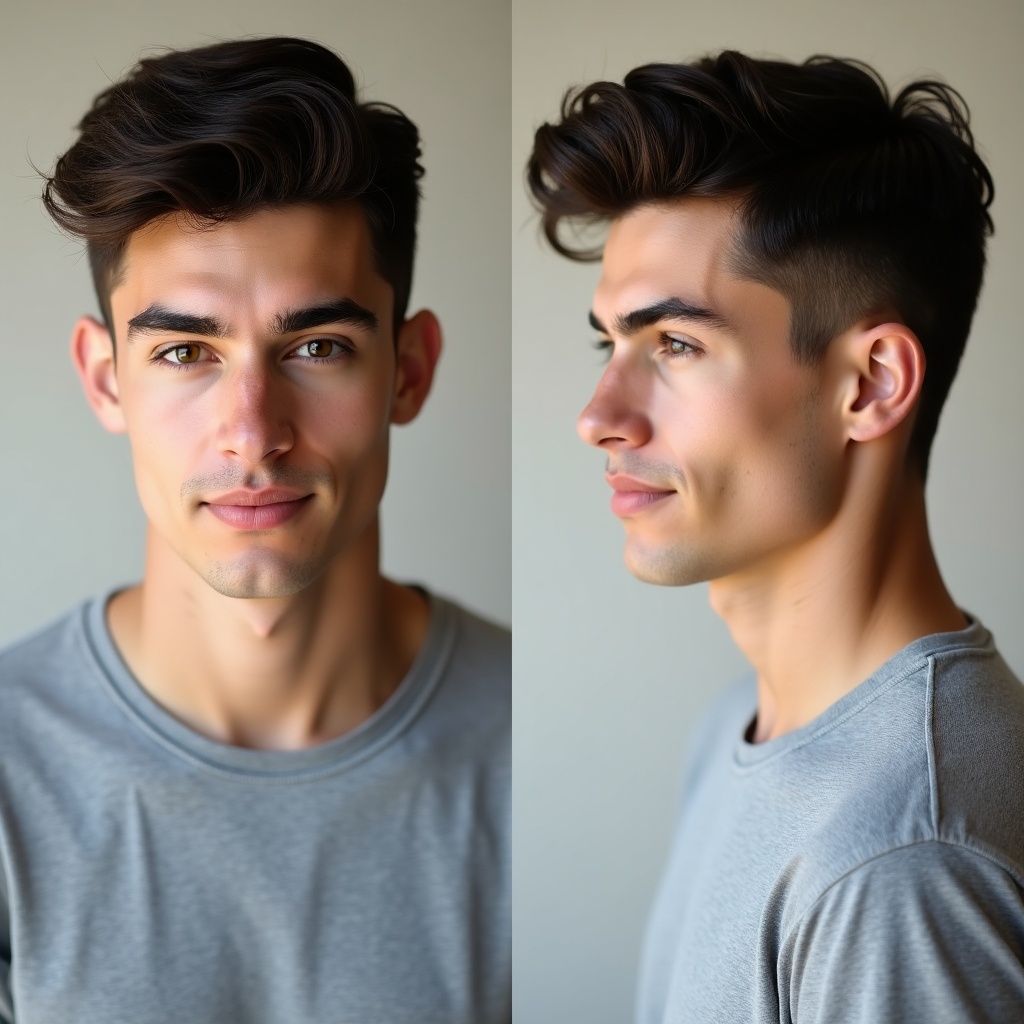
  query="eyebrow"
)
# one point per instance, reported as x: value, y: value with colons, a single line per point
x: 159, y: 319
x: 673, y: 308
x: 341, y: 311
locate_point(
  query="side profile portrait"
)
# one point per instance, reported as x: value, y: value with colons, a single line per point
x: 265, y: 783
x: 791, y: 257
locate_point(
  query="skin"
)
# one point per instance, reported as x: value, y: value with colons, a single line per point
x: 287, y: 636
x: 783, y: 484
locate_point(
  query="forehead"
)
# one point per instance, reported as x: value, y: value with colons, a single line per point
x: 664, y: 247
x: 275, y: 257
x: 687, y: 232
x: 685, y: 249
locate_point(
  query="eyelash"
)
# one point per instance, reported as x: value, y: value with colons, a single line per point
x: 605, y: 346
x: 158, y: 357
x: 690, y: 349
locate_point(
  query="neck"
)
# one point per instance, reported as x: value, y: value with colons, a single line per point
x: 820, y: 619
x: 273, y: 673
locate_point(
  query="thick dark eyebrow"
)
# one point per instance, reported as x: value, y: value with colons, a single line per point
x: 674, y: 308
x: 157, y: 318
x: 341, y: 311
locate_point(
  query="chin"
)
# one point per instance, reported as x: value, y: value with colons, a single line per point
x: 261, y: 574
x: 668, y: 566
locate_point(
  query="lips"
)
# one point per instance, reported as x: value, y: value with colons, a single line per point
x: 257, y: 510
x: 633, y: 496
x: 267, y: 496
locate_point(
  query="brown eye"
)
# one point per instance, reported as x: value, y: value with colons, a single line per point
x: 320, y: 348
x: 676, y: 346
x: 187, y: 354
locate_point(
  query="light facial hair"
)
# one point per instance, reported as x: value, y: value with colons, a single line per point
x: 260, y: 571
x: 657, y: 474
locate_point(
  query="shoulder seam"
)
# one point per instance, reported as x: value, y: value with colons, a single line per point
x: 936, y: 841
x: 929, y: 742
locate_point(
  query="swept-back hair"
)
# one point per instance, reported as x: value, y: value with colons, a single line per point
x: 221, y: 131
x: 852, y: 203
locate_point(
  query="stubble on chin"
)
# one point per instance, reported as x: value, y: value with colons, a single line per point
x: 669, y: 565
x: 261, y: 573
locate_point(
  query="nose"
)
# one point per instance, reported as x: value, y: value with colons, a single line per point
x: 615, y: 416
x: 254, y: 422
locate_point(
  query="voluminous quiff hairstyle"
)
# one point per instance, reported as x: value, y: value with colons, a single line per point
x: 222, y: 131
x: 852, y: 202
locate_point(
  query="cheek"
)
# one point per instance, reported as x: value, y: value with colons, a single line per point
x: 351, y: 435
x: 756, y: 445
x: 349, y: 423
x: 706, y: 426
x: 166, y: 431
x: 797, y: 472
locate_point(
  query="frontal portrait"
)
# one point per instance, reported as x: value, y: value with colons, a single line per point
x: 251, y: 240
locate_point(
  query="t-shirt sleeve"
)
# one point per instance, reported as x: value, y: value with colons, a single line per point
x: 929, y: 933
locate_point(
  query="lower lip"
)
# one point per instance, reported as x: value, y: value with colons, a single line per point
x: 628, y: 503
x: 259, y: 517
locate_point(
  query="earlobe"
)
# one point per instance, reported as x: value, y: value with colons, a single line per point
x: 417, y: 350
x: 92, y: 353
x: 889, y: 364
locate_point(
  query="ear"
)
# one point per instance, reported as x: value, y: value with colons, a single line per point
x: 885, y: 371
x: 417, y: 351
x: 92, y: 352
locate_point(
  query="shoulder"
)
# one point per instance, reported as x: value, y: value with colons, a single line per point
x: 472, y: 704
x: 50, y: 686
x: 928, y: 767
x: 977, y: 736
x: 481, y: 651
x: 936, y: 753
x: 930, y: 931
x: 41, y: 657
x: 482, y: 646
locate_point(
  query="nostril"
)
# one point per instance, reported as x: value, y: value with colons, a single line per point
x: 602, y: 424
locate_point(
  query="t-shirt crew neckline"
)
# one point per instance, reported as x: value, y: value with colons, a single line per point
x: 749, y: 756
x: 274, y: 766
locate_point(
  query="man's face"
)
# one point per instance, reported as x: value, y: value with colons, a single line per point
x: 256, y: 374
x: 717, y: 440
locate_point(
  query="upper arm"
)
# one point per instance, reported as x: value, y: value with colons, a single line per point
x: 930, y: 932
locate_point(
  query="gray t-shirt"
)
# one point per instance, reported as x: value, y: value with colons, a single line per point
x: 866, y: 868
x: 151, y: 875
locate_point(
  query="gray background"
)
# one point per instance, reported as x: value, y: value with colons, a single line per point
x: 609, y: 672
x: 70, y: 523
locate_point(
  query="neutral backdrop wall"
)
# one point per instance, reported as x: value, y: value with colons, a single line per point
x: 70, y: 523
x: 609, y: 672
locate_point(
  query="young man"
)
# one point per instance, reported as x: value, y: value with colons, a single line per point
x: 788, y: 282
x: 265, y: 784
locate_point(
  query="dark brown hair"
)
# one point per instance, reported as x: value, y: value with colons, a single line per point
x: 222, y: 131
x: 852, y: 202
